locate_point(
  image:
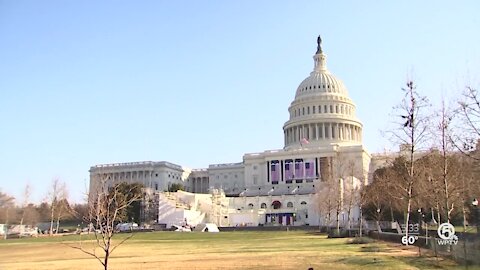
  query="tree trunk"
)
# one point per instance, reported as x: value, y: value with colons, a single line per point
x: 58, y: 224
x: 105, y: 261
x: 338, y: 222
x: 51, y: 219
x: 409, y: 206
x: 361, y: 221
x: 439, y: 216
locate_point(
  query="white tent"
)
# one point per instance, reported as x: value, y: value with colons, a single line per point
x: 206, y: 227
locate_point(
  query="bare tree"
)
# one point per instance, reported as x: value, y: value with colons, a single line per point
x: 411, y: 132
x: 326, y: 191
x: 6, y: 206
x: 25, y: 203
x: 379, y: 193
x: 63, y: 207
x: 52, y: 199
x: 338, y: 193
x: 353, y: 183
x: 325, y: 200
x: 466, y: 133
x: 105, y: 208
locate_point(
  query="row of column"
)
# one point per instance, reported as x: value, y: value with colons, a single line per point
x: 144, y: 177
x: 317, y: 131
x: 199, y: 184
x: 336, y: 109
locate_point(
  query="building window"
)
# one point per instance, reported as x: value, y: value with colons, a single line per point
x: 308, y: 110
x: 156, y: 175
x: 303, y: 111
x: 290, y: 205
x: 156, y: 186
x: 250, y: 205
x: 303, y: 203
x: 254, y: 167
x: 276, y: 204
x: 255, y: 179
x: 263, y: 205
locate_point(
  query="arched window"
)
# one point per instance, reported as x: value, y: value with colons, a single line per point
x: 303, y: 203
x: 289, y: 204
x: 250, y: 205
x: 276, y: 204
x: 263, y: 205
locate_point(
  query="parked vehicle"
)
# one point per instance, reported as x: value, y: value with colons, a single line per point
x: 126, y: 227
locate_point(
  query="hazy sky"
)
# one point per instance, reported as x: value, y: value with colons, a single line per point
x: 202, y: 82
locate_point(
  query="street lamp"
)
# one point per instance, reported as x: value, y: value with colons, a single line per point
x: 475, y: 209
x: 421, y: 218
x: 378, y: 219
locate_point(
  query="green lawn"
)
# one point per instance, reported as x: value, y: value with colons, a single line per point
x: 225, y: 250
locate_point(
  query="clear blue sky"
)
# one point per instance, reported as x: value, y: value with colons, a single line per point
x: 202, y: 82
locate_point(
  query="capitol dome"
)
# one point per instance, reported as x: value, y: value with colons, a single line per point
x: 322, y: 113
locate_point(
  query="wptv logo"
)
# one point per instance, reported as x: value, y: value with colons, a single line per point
x: 445, y: 231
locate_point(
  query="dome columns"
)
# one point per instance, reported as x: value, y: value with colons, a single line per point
x: 323, y: 133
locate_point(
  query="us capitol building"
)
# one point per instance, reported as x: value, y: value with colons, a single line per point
x: 289, y: 186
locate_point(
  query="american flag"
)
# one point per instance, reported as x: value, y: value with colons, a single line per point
x: 304, y: 141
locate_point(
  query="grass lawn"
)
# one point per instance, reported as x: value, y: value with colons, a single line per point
x: 225, y: 250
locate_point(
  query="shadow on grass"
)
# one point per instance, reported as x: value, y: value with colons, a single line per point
x: 316, y: 233
x: 374, y: 249
x: 364, y: 261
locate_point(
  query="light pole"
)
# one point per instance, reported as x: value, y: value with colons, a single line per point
x: 420, y: 219
x: 475, y: 209
x: 378, y: 220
